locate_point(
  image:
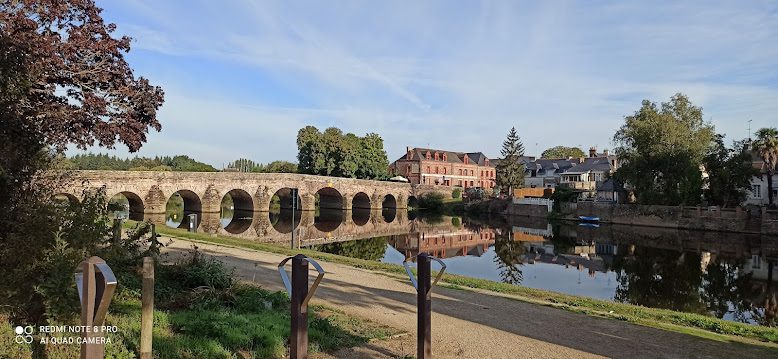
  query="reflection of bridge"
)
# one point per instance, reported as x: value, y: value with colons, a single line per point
x: 147, y: 192
x: 331, y: 226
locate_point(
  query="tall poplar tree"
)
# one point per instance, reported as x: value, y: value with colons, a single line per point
x: 510, y: 170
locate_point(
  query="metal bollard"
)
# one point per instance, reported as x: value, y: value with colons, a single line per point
x: 192, y: 222
x: 424, y: 301
x: 300, y: 296
x: 96, y: 284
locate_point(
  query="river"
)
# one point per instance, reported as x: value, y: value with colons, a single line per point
x: 725, y: 275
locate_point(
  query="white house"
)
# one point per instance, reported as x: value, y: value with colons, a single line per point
x: 758, y: 195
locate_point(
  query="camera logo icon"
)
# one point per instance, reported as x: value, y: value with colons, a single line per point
x: 23, y: 334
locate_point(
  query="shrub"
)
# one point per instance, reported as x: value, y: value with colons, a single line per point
x: 456, y: 193
x: 432, y: 201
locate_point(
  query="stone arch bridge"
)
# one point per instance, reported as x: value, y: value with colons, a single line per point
x: 147, y: 192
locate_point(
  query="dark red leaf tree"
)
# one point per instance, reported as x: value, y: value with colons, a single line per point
x: 66, y: 79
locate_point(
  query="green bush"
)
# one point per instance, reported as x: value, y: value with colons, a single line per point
x: 432, y: 201
x: 8, y: 346
x: 456, y: 193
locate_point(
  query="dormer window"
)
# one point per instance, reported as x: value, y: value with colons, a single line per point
x: 427, y: 155
x: 466, y: 159
x: 445, y: 158
x: 437, y: 156
x: 487, y: 162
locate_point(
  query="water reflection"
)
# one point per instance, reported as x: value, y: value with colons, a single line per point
x: 730, y: 276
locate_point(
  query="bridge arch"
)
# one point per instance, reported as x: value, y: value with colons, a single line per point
x: 329, y: 198
x: 413, y: 203
x: 389, y: 201
x: 237, y: 207
x: 360, y: 200
x: 131, y: 202
x: 360, y: 209
x: 183, y: 203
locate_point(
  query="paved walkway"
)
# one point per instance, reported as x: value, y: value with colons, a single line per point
x: 474, y: 325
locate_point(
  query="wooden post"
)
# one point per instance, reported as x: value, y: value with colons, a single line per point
x: 298, y: 341
x: 147, y: 314
x: 89, y: 351
x: 424, y: 310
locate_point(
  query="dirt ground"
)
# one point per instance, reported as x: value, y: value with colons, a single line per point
x: 468, y: 324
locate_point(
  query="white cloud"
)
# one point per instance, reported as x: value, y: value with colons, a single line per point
x: 448, y: 76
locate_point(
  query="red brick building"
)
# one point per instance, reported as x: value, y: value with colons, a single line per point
x: 445, y: 168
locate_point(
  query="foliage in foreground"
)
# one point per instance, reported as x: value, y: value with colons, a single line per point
x: 202, y: 312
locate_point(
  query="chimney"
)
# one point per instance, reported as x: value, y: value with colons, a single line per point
x: 592, y: 152
x: 409, y: 152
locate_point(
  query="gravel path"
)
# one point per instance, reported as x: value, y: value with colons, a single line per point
x: 468, y: 324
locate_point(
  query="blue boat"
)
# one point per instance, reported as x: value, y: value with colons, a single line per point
x: 589, y: 219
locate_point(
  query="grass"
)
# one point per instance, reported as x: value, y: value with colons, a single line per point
x: 201, y: 311
x: 688, y: 323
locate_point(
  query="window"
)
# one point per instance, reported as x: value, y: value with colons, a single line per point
x: 428, y: 155
x: 437, y: 156
x: 756, y: 191
x: 460, y: 171
x: 428, y: 169
x: 445, y: 157
x: 445, y: 170
x: 482, y: 173
x: 471, y: 173
x: 471, y: 182
x: 409, y: 170
x: 460, y: 183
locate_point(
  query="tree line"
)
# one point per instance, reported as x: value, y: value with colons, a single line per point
x: 101, y: 161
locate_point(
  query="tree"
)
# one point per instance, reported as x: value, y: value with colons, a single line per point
x: 70, y: 81
x: 63, y: 81
x: 510, y: 170
x: 729, y: 173
x: 333, y: 153
x: 563, y: 152
x: 766, y: 145
x: 280, y: 167
x: 661, y: 151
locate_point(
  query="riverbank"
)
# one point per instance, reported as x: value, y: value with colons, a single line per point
x: 694, y: 324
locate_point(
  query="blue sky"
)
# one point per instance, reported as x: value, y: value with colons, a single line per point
x: 241, y: 77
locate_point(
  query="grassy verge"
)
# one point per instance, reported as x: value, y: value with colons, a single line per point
x: 695, y: 324
x: 201, y: 311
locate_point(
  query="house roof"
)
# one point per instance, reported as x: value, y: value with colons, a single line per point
x: 451, y: 156
x: 592, y: 164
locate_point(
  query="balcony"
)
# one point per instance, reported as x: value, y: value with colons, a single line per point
x: 581, y: 186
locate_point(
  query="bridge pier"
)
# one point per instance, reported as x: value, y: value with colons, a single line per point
x: 212, y: 200
x: 154, y: 205
x: 262, y: 198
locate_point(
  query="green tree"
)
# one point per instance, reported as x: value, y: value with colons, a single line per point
x: 766, y: 145
x: 333, y: 153
x: 729, y: 173
x: 510, y: 170
x: 280, y: 167
x: 243, y: 165
x: 563, y: 152
x: 661, y: 151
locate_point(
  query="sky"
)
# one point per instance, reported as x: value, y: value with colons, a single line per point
x: 241, y: 77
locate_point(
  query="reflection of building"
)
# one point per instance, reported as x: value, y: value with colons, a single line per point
x: 444, y: 241
x: 591, y: 256
x: 759, y: 267
x: 447, y: 168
